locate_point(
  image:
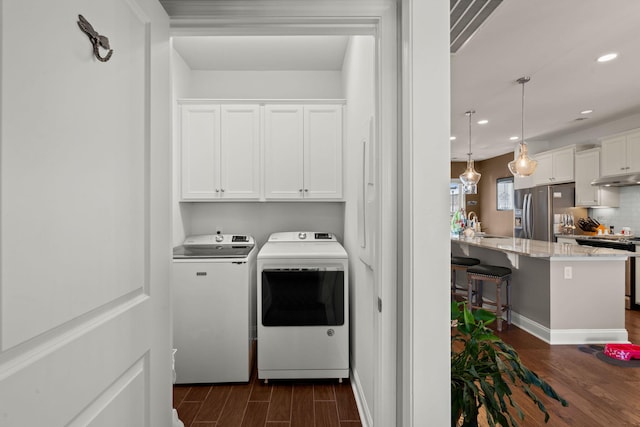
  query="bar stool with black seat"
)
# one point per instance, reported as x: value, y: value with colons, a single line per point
x: 460, y: 263
x: 490, y: 273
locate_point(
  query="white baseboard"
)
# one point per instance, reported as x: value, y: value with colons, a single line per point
x: 532, y: 327
x: 589, y: 336
x: 569, y: 336
x: 363, y: 409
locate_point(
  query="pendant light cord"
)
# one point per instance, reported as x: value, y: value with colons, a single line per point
x: 469, y: 113
x: 522, y: 121
x: 522, y: 81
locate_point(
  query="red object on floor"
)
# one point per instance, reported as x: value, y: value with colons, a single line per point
x: 622, y: 351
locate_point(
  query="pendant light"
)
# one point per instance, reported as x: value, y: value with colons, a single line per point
x: 470, y: 177
x: 523, y: 165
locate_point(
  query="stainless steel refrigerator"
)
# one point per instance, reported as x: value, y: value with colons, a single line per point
x: 534, y: 210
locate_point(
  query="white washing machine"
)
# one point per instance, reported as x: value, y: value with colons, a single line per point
x: 302, y: 307
x: 213, y: 299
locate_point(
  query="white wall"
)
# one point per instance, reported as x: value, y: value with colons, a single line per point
x: 426, y: 173
x: 266, y: 84
x: 358, y: 82
x: 260, y: 219
x: 180, y: 79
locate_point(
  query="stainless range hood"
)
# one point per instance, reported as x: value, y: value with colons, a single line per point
x: 618, y: 181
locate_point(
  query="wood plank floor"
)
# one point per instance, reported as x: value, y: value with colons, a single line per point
x: 314, y: 403
x: 599, y: 394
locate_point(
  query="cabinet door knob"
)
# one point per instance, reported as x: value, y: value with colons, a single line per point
x: 300, y: 190
x: 222, y: 190
x: 217, y: 191
x: 306, y: 190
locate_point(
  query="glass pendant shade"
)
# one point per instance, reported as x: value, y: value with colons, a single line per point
x: 523, y: 165
x: 470, y: 177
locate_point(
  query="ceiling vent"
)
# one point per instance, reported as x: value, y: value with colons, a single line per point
x: 465, y: 17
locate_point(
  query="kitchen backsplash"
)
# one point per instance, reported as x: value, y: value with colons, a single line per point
x: 627, y: 215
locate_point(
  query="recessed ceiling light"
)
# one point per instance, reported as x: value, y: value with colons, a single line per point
x: 483, y: 122
x: 607, y: 57
x: 514, y: 138
x: 586, y: 112
x: 452, y: 138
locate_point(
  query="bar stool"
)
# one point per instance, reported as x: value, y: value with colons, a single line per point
x: 498, y: 275
x: 460, y: 263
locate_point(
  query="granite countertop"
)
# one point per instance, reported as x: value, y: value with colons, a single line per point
x: 540, y: 249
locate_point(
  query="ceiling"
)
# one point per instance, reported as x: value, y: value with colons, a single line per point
x: 260, y: 53
x: 554, y: 42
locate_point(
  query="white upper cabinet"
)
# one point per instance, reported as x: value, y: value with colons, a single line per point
x: 555, y: 167
x: 303, y: 151
x: 587, y: 168
x: 283, y: 136
x: 323, y: 151
x: 620, y: 154
x: 200, y: 151
x: 240, y: 152
x: 220, y: 149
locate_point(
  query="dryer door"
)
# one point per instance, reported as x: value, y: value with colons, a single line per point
x: 302, y: 297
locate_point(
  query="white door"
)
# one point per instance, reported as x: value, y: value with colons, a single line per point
x: 283, y: 135
x: 85, y: 218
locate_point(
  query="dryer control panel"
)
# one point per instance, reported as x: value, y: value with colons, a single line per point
x: 302, y: 236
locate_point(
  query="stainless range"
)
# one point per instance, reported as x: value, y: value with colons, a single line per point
x: 624, y: 243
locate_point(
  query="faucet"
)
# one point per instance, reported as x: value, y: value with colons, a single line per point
x: 473, y: 221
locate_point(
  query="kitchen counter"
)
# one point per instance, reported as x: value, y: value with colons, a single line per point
x: 561, y: 293
x: 540, y: 249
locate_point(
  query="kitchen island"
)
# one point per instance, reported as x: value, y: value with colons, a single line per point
x: 563, y: 294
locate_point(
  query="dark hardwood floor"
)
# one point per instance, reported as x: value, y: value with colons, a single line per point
x: 317, y: 403
x: 599, y: 394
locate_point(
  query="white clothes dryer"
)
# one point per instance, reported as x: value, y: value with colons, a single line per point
x: 302, y: 307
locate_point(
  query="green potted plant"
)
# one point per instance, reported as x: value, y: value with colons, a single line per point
x: 483, y: 371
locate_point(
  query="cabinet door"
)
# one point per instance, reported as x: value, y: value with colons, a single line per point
x: 633, y: 152
x: 200, y: 151
x: 323, y: 151
x: 544, y: 172
x: 613, y: 156
x: 283, y: 176
x: 563, y: 165
x: 240, y: 152
x: 587, y: 169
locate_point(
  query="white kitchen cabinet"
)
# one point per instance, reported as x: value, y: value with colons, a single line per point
x: 303, y: 151
x: 587, y: 168
x: 555, y: 167
x: 620, y: 154
x: 220, y: 151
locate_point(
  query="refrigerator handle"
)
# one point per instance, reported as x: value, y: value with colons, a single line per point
x: 529, y: 220
x: 525, y: 216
